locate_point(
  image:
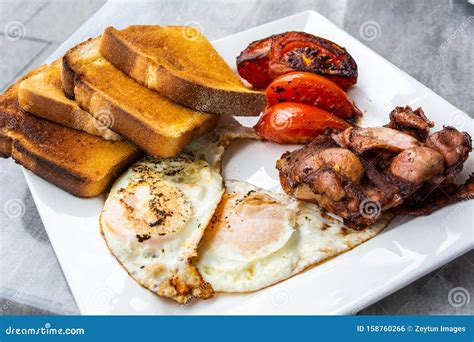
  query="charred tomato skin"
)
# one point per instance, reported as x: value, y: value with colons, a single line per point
x: 264, y: 60
x: 296, y: 123
x: 311, y: 89
x: 305, y: 52
x: 253, y: 62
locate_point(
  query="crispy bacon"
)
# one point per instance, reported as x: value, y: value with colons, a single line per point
x: 439, y: 199
x: 399, y: 173
x: 412, y: 122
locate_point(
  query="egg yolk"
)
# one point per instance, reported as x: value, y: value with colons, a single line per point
x: 252, y: 225
x: 148, y: 209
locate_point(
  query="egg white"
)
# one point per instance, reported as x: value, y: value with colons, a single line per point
x: 299, y: 237
x: 157, y: 211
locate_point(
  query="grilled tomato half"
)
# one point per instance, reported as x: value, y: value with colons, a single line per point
x: 296, y: 123
x: 265, y: 59
x: 312, y: 89
x: 252, y: 63
x: 305, y: 52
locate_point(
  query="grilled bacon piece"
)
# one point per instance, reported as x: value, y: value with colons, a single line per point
x: 452, y: 144
x: 413, y: 122
x: 362, y: 139
x: 334, y: 177
x: 438, y: 199
x: 394, y: 171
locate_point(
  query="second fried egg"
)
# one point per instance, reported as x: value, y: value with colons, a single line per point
x: 258, y: 238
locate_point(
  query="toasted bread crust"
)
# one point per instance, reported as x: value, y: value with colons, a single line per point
x: 77, y: 162
x: 6, y: 145
x: 61, y: 177
x: 67, y: 179
x: 95, y: 102
x: 67, y: 76
x: 41, y: 95
x: 196, y: 95
x: 129, y: 125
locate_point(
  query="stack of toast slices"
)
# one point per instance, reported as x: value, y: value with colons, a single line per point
x: 82, y: 120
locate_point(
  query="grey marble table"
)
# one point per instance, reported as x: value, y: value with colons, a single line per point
x: 430, y: 40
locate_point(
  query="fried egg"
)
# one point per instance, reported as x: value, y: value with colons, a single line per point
x: 156, y: 213
x: 258, y: 238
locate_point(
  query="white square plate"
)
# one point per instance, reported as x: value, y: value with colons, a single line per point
x: 408, y: 249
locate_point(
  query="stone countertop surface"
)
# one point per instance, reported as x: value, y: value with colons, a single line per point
x: 430, y: 40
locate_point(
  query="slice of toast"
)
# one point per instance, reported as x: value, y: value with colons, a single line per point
x: 181, y: 64
x: 42, y: 96
x: 157, y: 125
x: 78, y: 162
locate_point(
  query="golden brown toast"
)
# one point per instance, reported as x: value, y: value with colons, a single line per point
x: 157, y: 125
x: 42, y: 95
x: 181, y: 64
x: 5, y: 146
x: 78, y: 162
